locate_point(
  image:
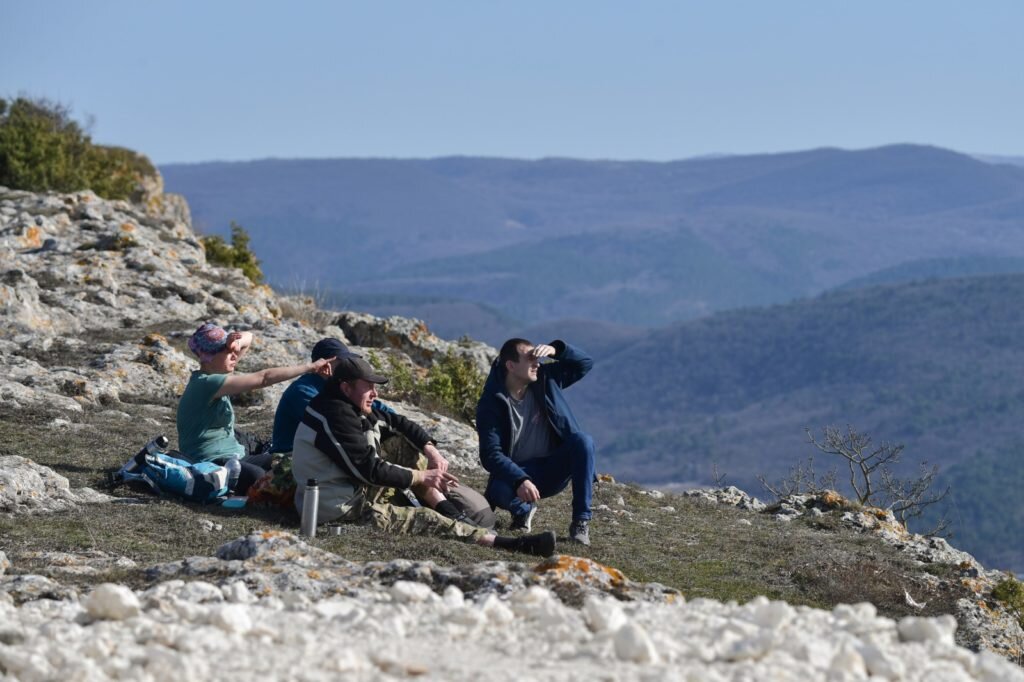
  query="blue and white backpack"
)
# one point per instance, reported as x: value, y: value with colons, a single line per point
x: 166, y: 475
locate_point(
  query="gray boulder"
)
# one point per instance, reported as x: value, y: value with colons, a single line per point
x: 732, y: 496
x: 411, y: 337
x: 456, y: 441
x: 28, y: 488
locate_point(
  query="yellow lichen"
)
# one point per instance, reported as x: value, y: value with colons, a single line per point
x: 564, y: 566
x: 32, y: 238
x: 833, y: 499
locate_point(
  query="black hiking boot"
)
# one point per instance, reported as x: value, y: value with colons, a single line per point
x: 541, y: 544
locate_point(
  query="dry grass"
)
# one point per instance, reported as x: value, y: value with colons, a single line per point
x: 701, y: 549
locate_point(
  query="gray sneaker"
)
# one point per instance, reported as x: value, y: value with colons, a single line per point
x: 523, y: 522
x: 579, y: 531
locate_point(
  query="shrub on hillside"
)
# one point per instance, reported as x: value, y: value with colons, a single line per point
x: 43, y: 149
x: 237, y: 255
x: 455, y: 383
x: 1010, y: 593
x: 452, y: 386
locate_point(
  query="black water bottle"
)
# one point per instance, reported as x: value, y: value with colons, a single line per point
x: 158, y: 444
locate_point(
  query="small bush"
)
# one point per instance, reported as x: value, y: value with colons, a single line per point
x: 1010, y: 593
x: 115, y: 171
x: 452, y: 386
x: 455, y: 384
x: 402, y: 382
x: 43, y: 149
x: 238, y: 255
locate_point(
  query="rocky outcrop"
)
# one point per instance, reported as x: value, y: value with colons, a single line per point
x: 26, y: 487
x: 732, y: 496
x: 279, y: 563
x: 99, y: 298
x: 985, y: 624
x: 412, y: 338
x: 74, y: 262
x: 286, y: 610
x: 455, y: 439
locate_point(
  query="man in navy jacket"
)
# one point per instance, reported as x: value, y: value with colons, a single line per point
x: 530, y: 442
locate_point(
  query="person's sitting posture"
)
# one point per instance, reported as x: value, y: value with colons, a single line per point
x: 293, y: 406
x: 298, y: 394
x: 206, y: 419
x: 530, y: 442
x: 338, y: 443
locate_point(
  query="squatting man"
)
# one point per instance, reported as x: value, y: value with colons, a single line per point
x: 530, y: 441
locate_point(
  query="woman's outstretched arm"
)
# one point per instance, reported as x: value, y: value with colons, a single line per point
x: 240, y: 383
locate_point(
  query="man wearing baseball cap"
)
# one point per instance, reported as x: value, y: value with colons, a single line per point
x: 338, y: 443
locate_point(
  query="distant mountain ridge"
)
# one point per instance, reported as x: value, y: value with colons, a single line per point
x: 545, y: 240
x: 939, y: 268
x: 932, y: 365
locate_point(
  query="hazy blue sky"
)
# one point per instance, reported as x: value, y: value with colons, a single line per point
x: 195, y: 81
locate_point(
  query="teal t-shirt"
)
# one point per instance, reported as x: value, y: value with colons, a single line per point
x: 206, y: 427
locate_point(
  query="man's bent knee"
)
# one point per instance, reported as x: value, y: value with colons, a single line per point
x: 580, y: 441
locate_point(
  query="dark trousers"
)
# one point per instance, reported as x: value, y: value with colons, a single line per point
x: 254, y: 464
x: 572, y: 461
x: 249, y: 474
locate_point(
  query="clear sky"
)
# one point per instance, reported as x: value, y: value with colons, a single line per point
x: 185, y: 80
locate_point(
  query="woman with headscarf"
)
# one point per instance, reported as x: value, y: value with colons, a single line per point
x: 206, y: 420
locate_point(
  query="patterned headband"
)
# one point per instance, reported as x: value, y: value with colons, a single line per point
x: 207, y: 341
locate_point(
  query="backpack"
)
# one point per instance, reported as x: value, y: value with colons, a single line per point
x: 276, y: 489
x: 167, y: 475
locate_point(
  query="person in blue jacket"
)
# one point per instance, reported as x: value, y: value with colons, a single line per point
x: 297, y: 396
x: 530, y: 442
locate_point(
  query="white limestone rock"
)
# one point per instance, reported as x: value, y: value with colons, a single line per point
x: 406, y: 592
x: 453, y: 597
x: 112, y: 602
x: 232, y: 618
x: 632, y: 643
x: 940, y: 629
x: 603, y: 615
x: 731, y: 495
x: 769, y: 614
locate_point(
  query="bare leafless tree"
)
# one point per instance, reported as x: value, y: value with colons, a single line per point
x: 717, y: 475
x: 862, y: 459
x: 907, y: 498
x: 872, y: 477
x: 802, y: 479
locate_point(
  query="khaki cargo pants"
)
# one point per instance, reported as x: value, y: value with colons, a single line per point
x: 383, y: 507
